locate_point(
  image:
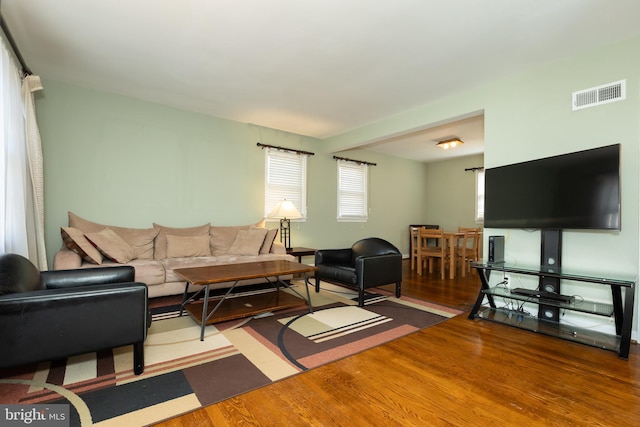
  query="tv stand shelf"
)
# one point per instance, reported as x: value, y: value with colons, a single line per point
x: 623, y: 314
x: 591, y: 307
x: 531, y: 323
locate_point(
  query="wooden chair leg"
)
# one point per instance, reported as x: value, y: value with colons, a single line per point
x: 398, y: 290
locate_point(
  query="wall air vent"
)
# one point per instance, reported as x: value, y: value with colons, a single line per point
x: 611, y: 92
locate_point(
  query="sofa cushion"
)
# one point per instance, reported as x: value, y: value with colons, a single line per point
x: 248, y: 242
x: 188, y: 246
x: 140, y: 239
x: 111, y: 245
x: 149, y: 271
x: 340, y: 273
x: 75, y: 240
x: 87, y: 226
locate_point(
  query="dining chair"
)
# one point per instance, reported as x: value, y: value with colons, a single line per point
x: 467, y: 248
x: 476, y: 254
x: 413, y: 241
x: 428, y: 252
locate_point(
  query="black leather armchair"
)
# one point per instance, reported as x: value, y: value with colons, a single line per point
x: 368, y: 263
x: 51, y: 315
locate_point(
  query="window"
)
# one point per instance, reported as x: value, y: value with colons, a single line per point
x: 352, y: 191
x: 286, y: 178
x: 479, y: 195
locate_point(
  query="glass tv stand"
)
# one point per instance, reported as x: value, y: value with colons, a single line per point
x: 622, y: 310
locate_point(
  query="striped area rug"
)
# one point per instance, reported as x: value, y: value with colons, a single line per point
x: 183, y: 373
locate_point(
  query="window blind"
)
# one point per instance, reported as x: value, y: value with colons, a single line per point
x: 479, y: 195
x: 286, y: 178
x: 352, y: 191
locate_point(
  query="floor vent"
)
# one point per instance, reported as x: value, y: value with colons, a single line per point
x: 611, y: 92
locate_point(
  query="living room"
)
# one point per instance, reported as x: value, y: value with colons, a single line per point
x: 186, y: 164
x: 105, y: 151
x: 116, y: 159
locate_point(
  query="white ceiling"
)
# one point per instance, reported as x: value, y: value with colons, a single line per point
x: 311, y: 67
x: 421, y: 145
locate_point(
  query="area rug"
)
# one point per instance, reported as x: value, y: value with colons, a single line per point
x: 183, y: 373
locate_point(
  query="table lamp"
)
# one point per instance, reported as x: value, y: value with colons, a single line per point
x: 285, y: 211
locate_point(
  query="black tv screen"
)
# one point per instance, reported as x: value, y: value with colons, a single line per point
x: 578, y: 190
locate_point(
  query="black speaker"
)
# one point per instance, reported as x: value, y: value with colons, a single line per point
x: 551, y: 259
x: 496, y: 248
x: 551, y: 248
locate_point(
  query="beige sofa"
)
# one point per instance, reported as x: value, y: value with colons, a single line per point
x: 157, y: 251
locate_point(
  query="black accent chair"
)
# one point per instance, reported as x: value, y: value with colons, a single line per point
x: 52, y: 315
x: 368, y: 263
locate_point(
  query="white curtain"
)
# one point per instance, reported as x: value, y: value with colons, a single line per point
x: 21, y: 173
x: 35, y: 222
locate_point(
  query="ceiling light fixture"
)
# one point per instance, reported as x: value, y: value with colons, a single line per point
x: 450, y: 143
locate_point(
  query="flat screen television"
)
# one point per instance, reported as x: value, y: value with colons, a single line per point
x: 579, y: 190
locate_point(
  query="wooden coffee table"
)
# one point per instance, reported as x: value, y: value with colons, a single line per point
x: 217, y: 277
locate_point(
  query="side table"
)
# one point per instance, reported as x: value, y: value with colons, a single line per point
x: 300, y: 252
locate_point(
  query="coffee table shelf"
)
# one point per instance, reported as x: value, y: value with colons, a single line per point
x: 238, y: 307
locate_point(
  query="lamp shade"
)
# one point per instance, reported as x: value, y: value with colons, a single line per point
x: 285, y: 209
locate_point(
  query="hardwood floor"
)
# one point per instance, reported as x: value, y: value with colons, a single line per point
x: 460, y: 372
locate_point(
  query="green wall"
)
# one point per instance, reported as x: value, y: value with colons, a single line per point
x: 451, y: 192
x: 121, y: 161
x: 529, y: 116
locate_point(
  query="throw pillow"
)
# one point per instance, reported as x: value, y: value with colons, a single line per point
x: 187, y: 246
x: 75, y: 240
x: 161, y: 239
x: 111, y: 245
x: 140, y: 239
x: 248, y: 242
x: 222, y: 237
x: 268, y: 241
